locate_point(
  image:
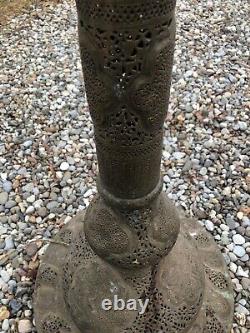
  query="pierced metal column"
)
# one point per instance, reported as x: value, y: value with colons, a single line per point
x: 131, y: 242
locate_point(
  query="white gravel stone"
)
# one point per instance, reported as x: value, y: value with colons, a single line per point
x: 9, y: 244
x: 64, y: 166
x: 238, y: 239
x: 240, y: 215
x: 240, y: 272
x: 24, y: 326
x: 30, y: 210
x: 3, y: 230
x: 31, y: 199
x: 179, y: 155
x: 203, y: 171
x: 5, y: 276
x: 209, y: 225
x: 88, y: 193
x: 239, y: 251
x: 233, y: 267
x: 5, y: 325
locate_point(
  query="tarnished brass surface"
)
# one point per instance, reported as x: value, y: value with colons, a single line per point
x: 131, y: 241
x: 189, y: 290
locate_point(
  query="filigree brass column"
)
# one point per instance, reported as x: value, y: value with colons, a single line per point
x: 131, y: 242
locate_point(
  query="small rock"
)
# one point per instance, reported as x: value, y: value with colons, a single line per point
x: 233, y: 267
x: 241, y: 309
x: 239, y: 251
x: 59, y: 175
x: 241, y: 273
x: 245, y: 283
x: 242, y: 125
x: 31, y: 199
x: 166, y: 179
x: 209, y: 225
x: 24, y: 326
x: 15, y: 306
x: 240, y: 319
x: 88, y: 193
x: 225, y: 240
x: 245, y: 258
x: 178, y: 155
x: 3, y: 198
x: 3, y: 230
x: 27, y: 143
x: 4, y: 313
x: 224, y: 227
x: 30, y: 210
x: 238, y: 239
x: 31, y: 249
x: 9, y: 244
x: 240, y: 215
x: 52, y: 205
x: 210, y: 4
x: 64, y: 166
x: 7, y: 186
x: 203, y: 171
x: 9, y: 204
x: 227, y: 191
x: 5, y: 276
x: 5, y: 325
x: 231, y: 223
x: 188, y: 166
x: 42, y: 211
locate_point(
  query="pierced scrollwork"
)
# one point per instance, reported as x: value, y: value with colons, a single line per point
x: 132, y: 238
x: 127, y: 70
x: 217, y: 278
x: 48, y: 275
x: 213, y: 325
x: 129, y: 12
x: 55, y: 324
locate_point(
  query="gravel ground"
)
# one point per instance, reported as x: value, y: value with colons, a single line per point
x: 47, y: 152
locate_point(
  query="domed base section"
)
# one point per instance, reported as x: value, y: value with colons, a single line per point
x: 188, y: 291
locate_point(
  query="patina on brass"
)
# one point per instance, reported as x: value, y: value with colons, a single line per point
x: 131, y: 241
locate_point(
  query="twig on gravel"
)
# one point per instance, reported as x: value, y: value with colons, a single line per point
x: 48, y: 241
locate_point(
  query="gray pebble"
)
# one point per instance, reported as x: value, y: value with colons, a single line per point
x: 241, y: 309
x: 3, y: 198
x: 239, y: 251
x: 209, y: 225
x: 5, y: 276
x: 27, y: 143
x: 9, y: 244
x: 10, y: 204
x: 42, y: 211
x: 7, y: 186
x: 245, y: 283
x: 3, y: 230
x: 52, y: 205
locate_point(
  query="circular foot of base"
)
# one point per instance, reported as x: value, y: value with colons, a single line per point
x: 189, y: 291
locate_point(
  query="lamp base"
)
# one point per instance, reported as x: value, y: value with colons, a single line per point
x: 188, y: 291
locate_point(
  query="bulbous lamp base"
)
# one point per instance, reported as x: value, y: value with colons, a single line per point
x: 188, y: 290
